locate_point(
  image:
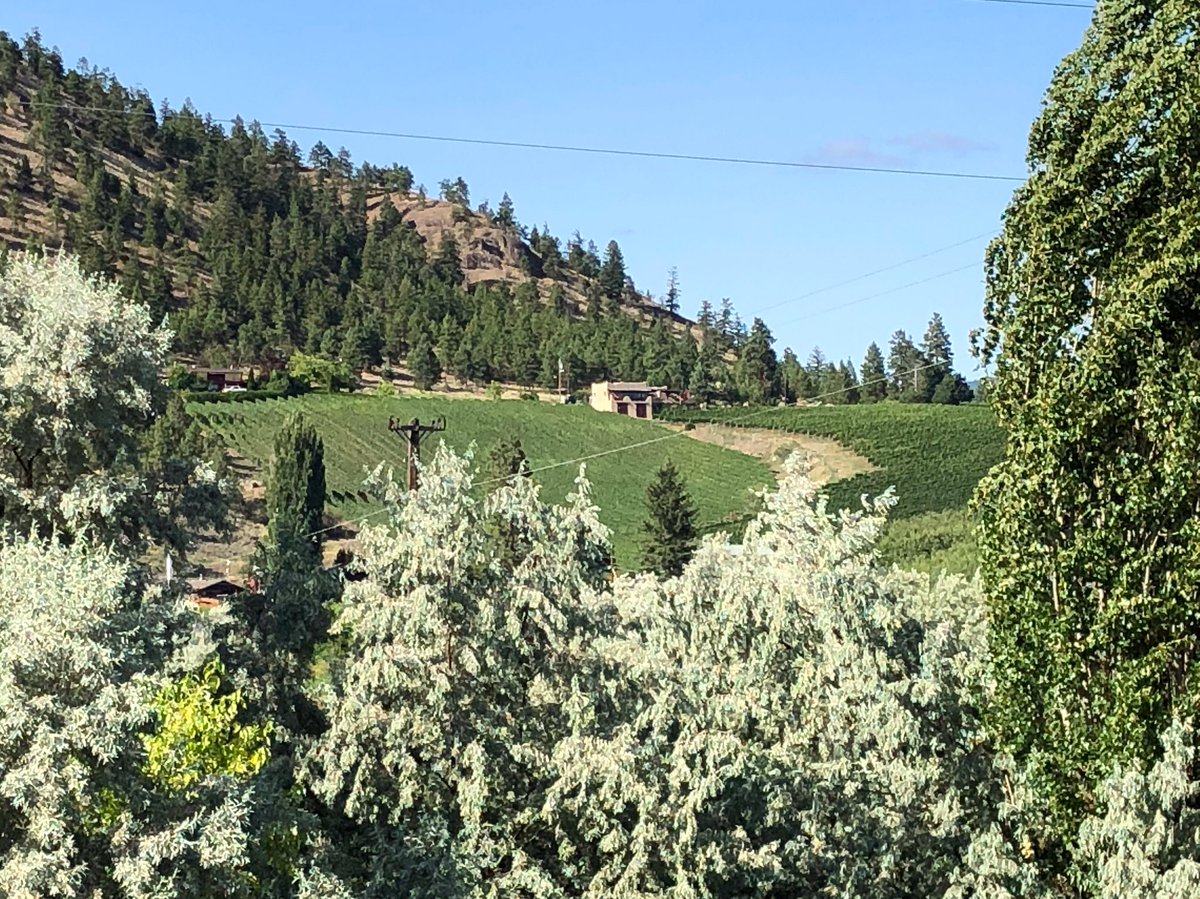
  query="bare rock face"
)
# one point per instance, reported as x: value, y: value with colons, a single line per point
x: 491, y: 254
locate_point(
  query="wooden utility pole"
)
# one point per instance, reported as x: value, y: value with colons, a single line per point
x: 412, y: 433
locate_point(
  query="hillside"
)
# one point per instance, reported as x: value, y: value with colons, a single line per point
x: 354, y: 430
x: 934, y: 457
x: 256, y: 250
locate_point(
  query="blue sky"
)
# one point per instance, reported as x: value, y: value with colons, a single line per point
x: 945, y: 84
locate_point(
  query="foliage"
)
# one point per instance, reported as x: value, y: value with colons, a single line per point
x: 1146, y: 842
x: 426, y: 370
x: 669, y: 531
x: 441, y: 723
x: 74, y: 643
x: 759, y: 726
x: 1090, y: 534
x: 326, y: 374
x: 80, y: 366
x: 356, y: 439
x: 933, y: 542
x: 296, y: 492
x: 198, y: 735
x: 506, y: 459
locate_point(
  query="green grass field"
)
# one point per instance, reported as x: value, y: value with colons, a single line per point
x: 934, y: 456
x: 354, y: 429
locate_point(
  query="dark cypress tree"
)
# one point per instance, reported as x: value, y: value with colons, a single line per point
x: 670, y: 528
x: 296, y: 493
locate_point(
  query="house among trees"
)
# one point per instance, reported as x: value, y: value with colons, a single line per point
x: 211, y: 593
x: 636, y: 399
x: 223, y: 379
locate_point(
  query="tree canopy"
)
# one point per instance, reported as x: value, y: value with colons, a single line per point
x: 1089, y: 527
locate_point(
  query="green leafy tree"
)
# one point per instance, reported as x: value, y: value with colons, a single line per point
x: 670, y: 528
x: 81, y: 368
x: 1088, y: 544
x: 198, y: 734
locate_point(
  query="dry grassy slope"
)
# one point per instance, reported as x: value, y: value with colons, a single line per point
x: 489, y: 254
x: 148, y: 172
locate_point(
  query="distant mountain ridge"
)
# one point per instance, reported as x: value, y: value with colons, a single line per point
x: 251, y: 249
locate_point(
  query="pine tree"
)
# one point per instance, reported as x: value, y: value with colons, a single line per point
x: 612, y: 273
x: 904, y: 362
x: 671, y: 301
x: 426, y: 370
x: 670, y: 528
x: 507, y: 459
x: 874, y: 377
x: 756, y: 365
x: 296, y: 492
x: 936, y: 347
x: 505, y: 217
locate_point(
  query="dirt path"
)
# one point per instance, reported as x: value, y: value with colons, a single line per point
x: 830, y: 460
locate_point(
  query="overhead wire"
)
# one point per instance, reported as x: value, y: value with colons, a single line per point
x: 1059, y: 3
x: 567, y: 148
x: 878, y: 271
x: 881, y: 293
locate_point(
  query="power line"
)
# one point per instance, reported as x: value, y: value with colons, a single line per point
x: 1058, y: 3
x: 571, y: 148
x: 878, y: 271
x: 882, y: 293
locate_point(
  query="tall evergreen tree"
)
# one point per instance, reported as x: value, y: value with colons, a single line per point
x: 612, y: 273
x: 670, y: 536
x: 296, y: 492
x: 904, y: 362
x: 874, y: 376
x: 426, y: 370
x: 756, y: 365
x: 936, y: 348
x: 671, y: 301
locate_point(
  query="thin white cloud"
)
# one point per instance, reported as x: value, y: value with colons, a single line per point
x: 933, y: 141
x: 851, y: 151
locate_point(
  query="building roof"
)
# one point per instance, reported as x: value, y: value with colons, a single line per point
x: 629, y: 386
x: 219, y: 587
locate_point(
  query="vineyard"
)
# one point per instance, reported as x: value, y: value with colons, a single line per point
x: 355, y: 433
x: 934, y: 456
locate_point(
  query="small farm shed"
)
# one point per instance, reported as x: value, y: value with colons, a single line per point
x: 223, y: 378
x: 211, y: 593
x: 630, y: 398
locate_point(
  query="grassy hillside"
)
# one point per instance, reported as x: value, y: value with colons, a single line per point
x: 934, y: 456
x: 356, y: 437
